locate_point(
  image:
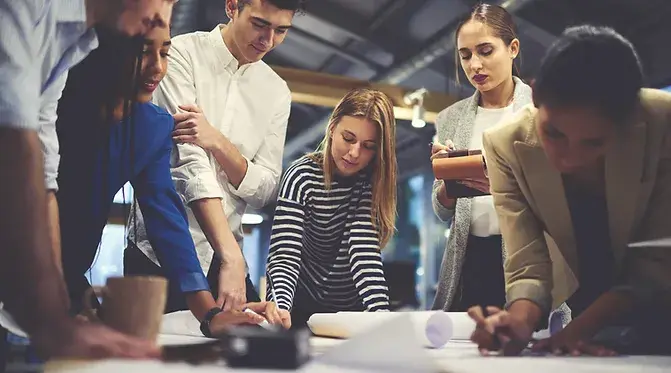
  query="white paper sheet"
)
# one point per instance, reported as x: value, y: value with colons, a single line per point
x: 181, y: 323
x: 7, y: 322
x: 390, y: 346
x: 180, y: 340
x: 661, y: 242
x: 432, y: 328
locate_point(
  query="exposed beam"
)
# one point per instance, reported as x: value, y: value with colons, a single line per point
x: 185, y: 16
x: 335, y: 49
x: 326, y: 90
x: 530, y: 29
x: 357, y: 26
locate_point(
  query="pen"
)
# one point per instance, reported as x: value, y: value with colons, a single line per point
x: 450, y: 147
x: 496, y: 342
x: 273, y: 297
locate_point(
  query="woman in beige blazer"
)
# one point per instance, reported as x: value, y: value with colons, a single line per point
x: 576, y: 179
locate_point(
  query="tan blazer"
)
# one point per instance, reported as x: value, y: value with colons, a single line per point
x: 534, y: 217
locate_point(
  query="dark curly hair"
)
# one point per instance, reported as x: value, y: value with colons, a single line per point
x: 591, y: 66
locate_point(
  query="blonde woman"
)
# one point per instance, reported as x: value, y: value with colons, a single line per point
x: 335, y: 211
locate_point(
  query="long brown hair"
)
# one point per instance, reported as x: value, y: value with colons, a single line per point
x: 499, y: 20
x: 376, y: 107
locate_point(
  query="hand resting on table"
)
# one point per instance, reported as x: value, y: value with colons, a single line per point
x: 263, y: 311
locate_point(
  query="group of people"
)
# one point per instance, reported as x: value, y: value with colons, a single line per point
x: 96, y: 94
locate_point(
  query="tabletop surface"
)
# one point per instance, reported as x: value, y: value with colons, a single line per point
x: 389, y: 348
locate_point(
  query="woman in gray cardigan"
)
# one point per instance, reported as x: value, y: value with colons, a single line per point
x: 472, y: 268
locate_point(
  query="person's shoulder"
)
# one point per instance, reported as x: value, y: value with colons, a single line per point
x: 271, y: 78
x: 656, y: 105
x: 189, y: 40
x: 303, y: 169
x: 191, y: 46
x: 453, y: 110
x: 303, y: 175
x: 154, y: 119
x: 517, y: 127
x: 656, y: 101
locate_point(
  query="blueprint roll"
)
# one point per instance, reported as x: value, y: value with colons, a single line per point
x: 438, y: 330
x: 433, y: 329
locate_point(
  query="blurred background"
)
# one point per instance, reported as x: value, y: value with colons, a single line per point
x: 406, y: 49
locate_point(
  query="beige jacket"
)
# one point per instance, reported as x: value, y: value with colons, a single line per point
x: 534, y: 217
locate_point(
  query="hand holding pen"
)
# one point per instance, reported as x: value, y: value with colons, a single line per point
x: 439, y: 150
x: 499, y: 330
x: 273, y: 314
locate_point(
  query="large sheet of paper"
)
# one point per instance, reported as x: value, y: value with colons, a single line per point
x: 181, y: 323
x: 390, y: 346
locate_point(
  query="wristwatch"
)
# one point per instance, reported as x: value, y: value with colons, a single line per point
x: 205, y: 324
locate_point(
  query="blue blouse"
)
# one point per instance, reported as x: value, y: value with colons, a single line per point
x: 97, y: 161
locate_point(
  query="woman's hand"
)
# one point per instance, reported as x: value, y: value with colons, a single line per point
x: 500, y: 331
x: 570, y: 342
x: 272, y: 313
x: 438, y: 150
x: 478, y: 184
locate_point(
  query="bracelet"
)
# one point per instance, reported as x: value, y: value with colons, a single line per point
x: 205, y: 324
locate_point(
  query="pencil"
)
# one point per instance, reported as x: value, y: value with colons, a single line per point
x: 273, y: 297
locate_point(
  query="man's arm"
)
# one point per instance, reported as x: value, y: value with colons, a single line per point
x: 193, y: 176
x: 256, y: 180
x: 32, y: 288
x: 50, y: 150
x: 216, y: 228
x: 191, y: 169
x: 54, y: 229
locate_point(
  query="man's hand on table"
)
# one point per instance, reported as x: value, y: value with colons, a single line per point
x: 232, y: 286
x: 264, y: 311
x: 86, y: 340
x: 500, y: 330
x: 570, y: 341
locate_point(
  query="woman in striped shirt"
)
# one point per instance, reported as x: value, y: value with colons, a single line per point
x: 335, y: 211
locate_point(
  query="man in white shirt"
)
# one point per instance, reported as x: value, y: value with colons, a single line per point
x: 231, y: 112
x: 40, y: 40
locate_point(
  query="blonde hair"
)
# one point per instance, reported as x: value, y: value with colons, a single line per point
x: 378, y: 108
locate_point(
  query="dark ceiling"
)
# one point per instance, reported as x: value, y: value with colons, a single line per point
x: 410, y: 43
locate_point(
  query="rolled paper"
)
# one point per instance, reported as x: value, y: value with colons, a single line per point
x: 433, y: 328
x: 438, y: 329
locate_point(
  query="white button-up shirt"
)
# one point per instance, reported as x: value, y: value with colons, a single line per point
x: 40, y: 40
x: 249, y: 104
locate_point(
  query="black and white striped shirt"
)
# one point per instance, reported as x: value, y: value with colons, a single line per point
x: 325, y: 242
